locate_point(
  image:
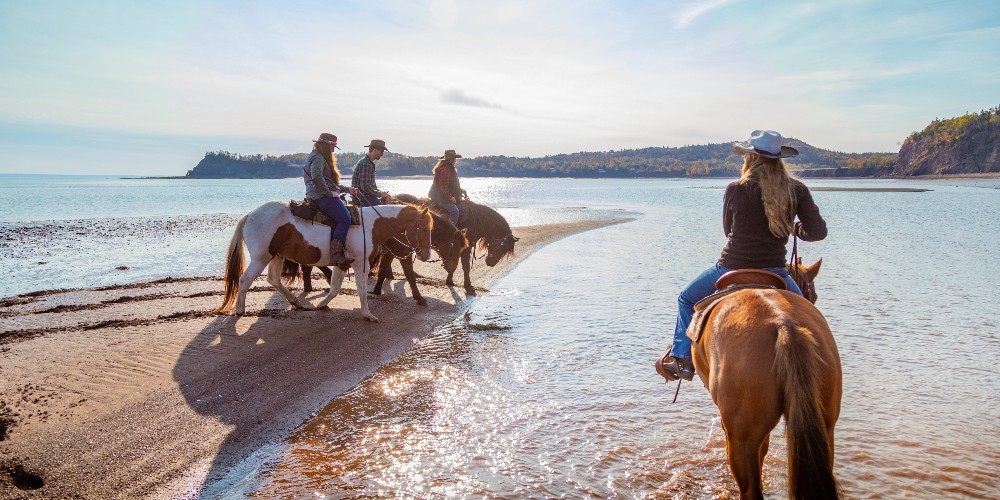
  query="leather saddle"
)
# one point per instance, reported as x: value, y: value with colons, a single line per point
x: 309, y: 210
x: 727, y: 284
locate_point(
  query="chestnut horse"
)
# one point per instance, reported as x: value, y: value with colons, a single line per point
x: 446, y: 239
x: 272, y: 234
x: 768, y: 353
x: 485, y: 229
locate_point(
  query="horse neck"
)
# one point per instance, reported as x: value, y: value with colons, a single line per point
x: 443, y: 228
x: 487, y: 223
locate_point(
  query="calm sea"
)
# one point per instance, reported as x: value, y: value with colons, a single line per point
x: 548, y: 390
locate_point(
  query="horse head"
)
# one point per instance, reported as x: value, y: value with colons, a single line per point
x: 418, y: 235
x: 805, y: 277
x: 498, y: 248
x: 451, y: 245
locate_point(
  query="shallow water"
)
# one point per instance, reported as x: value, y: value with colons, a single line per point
x: 547, y: 389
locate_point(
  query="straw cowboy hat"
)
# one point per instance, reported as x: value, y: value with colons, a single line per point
x: 328, y: 139
x: 450, y: 155
x: 766, y: 143
x: 378, y: 143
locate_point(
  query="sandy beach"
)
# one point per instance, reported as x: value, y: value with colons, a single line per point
x: 139, y: 390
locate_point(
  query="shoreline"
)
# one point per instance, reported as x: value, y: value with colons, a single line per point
x: 139, y: 390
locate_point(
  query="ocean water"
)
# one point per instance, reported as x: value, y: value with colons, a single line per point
x: 546, y: 388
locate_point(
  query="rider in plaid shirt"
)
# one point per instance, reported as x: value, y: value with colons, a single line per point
x: 364, y: 175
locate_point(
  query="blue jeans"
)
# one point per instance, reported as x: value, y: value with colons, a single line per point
x: 699, y: 288
x: 364, y: 200
x: 335, y: 208
x: 452, y: 211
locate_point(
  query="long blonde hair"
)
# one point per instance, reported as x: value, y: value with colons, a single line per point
x: 326, y: 151
x: 777, y: 189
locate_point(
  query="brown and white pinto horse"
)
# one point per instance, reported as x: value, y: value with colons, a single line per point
x: 768, y: 353
x: 271, y: 234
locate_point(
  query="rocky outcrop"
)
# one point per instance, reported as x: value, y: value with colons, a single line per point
x: 968, y: 144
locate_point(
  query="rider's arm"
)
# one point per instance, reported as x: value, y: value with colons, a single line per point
x: 812, y: 227
x: 727, y: 210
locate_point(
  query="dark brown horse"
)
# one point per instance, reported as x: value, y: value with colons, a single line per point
x: 446, y: 239
x: 486, y: 230
x: 768, y: 353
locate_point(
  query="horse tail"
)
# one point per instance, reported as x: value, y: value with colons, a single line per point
x: 810, y: 453
x: 289, y: 272
x: 234, y: 267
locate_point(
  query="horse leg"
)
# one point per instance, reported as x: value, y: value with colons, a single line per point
x: 466, y: 267
x: 384, y: 267
x: 307, y: 283
x: 361, y: 268
x: 274, y: 278
x: 411, y: 278
x: 256, y: 266
x: 748, y: 436
x: 336, y: 282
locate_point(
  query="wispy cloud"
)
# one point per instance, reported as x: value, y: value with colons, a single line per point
x: 697, y: 10
x: 456, y: 96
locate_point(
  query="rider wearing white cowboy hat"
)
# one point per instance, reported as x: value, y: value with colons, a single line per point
x: 759, y: 211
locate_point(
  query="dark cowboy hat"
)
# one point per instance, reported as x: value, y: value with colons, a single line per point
x: 766, y: 143
x: 328, y: 139
x: 450, y: 155
x: 378, y: 143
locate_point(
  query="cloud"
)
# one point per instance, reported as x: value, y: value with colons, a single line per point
x: 695, y: 11
x: 456, y: 96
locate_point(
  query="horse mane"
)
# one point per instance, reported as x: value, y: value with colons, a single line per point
x: 492, y: 223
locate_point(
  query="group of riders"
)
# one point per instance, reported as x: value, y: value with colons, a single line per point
x: 759, y: 215
x: 322, y: 180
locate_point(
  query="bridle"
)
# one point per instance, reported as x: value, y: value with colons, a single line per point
x: 423, y: 216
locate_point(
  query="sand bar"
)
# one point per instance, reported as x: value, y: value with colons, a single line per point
x: 140, y: 391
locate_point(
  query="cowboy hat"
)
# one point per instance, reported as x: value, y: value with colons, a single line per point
x: 328, y: 139
x: 766, y: 143
x: 378, y: 143
x: 450, y: 155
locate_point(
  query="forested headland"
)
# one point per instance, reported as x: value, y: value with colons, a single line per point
x: 967, y: 144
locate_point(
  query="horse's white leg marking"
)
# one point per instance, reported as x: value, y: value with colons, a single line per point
x: 256, y: 266
x: 361, y: 268
x: 274, y: 278
x: 336, y: 282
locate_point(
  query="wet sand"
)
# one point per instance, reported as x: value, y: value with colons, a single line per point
x: 140, y: 390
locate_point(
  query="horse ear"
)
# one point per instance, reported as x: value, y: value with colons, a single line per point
x: 516, y: 238
x: 465, y: 232
x: 813, y: 270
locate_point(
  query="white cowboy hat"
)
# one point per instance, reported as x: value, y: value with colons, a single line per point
x: 767, y: 143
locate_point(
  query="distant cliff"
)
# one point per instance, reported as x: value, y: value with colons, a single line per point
x: 964, y: 145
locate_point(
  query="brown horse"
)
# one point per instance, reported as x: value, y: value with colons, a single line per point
x: 768, y: 353
x: 486, y: 230
x: 447, y: 240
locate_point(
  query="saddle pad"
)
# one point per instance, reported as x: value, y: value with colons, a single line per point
x: 703, y: 309
x: 308, y: 210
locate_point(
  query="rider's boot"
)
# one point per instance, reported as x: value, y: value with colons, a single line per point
x: 672, y: 368
x: 337, y: 257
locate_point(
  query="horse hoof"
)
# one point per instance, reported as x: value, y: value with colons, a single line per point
x: 371, y: 318
x: 322, y: 308
x: 449, y: 283
x: 470, y: 291
x: 421, y: 302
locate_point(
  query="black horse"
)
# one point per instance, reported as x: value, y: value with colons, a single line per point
x: 447, y: 240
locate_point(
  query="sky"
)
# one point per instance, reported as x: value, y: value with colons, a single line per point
x: 147, y: 88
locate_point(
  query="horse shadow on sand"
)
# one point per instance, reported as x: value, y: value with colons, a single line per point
x: 262, y: 375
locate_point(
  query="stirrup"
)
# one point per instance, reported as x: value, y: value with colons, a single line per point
x: 672, y: 368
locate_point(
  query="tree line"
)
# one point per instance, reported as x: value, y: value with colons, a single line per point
x: 708, y: 160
